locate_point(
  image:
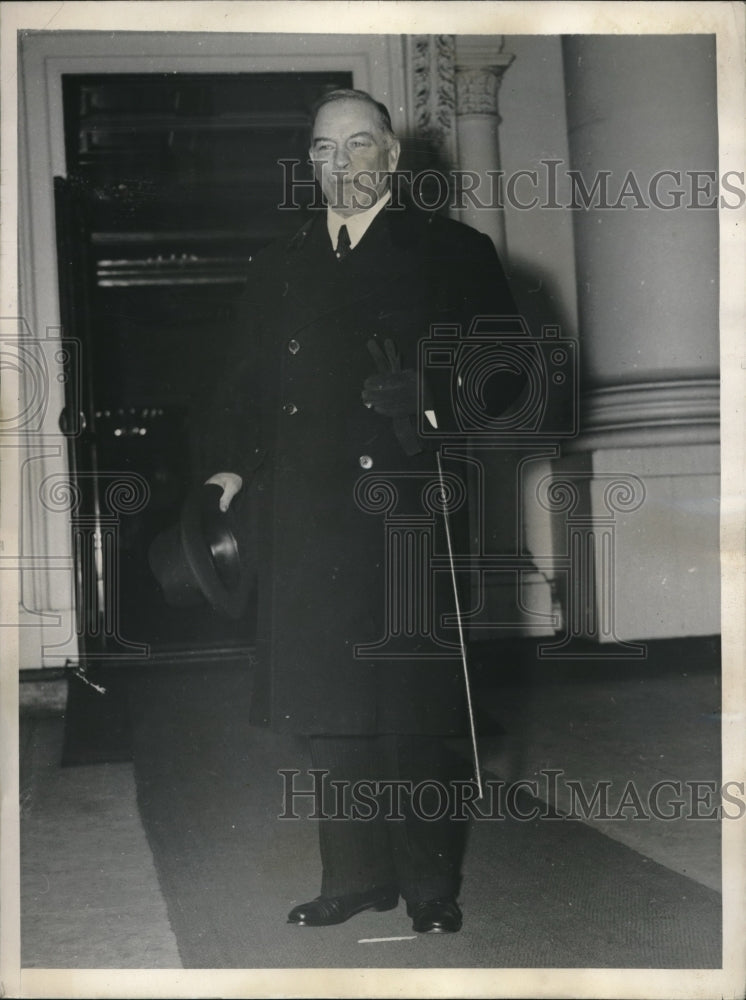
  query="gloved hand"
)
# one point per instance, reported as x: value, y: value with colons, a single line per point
x: 393, y: 393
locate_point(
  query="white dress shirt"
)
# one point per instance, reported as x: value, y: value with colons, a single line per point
x: 357, y: 224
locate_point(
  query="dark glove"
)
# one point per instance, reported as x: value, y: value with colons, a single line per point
x: 393, y: 393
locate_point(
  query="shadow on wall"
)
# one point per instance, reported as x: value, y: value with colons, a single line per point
x: 536, y: 291
x: 538, y: 297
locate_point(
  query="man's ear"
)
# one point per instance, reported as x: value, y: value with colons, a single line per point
x: 394, y: 152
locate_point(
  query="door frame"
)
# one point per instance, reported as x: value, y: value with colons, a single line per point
x: 377, y: 64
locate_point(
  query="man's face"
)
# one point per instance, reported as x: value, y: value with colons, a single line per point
x: 351, y: 155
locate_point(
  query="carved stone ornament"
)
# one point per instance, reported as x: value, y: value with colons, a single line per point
x: 476, y: 91
x: 480, y: 64
x: 433, y: 87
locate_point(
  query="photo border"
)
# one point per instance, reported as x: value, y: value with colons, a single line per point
x: 726, y: 21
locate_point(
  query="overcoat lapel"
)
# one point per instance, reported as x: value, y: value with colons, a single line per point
x: 309, y: 265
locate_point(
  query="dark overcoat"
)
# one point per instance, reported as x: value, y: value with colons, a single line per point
x: 351, y: 637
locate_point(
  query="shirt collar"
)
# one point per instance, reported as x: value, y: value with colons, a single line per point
x: 357, y: 224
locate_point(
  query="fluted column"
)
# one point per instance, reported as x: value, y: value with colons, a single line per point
x: 480, y: 65
x: 642, y: 127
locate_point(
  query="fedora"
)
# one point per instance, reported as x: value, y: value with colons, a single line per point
x: 206, y: 557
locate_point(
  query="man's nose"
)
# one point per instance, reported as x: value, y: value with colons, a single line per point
x: 341, y: 158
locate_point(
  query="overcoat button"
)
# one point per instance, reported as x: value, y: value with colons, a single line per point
x: 293, y: 346
x: 366, y: 461
x: 290, y: 408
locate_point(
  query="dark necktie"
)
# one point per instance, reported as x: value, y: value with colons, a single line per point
x: 343, y: 243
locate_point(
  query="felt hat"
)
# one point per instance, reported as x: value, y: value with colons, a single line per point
x: 206, y: 557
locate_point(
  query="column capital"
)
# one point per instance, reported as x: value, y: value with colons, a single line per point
x: 480, y: 64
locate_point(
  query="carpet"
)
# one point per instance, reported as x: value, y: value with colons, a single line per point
x: 535, y: 894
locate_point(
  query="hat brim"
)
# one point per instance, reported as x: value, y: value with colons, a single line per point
x: 207, y: 557
x: 215, y: 551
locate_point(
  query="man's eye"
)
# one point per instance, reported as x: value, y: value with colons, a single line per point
x: 323, y: 147
x: 358, y: 143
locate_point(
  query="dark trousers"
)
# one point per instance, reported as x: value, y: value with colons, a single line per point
x: 414, y: 854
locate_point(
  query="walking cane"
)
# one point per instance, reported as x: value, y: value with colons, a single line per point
x: 405, y: 433
x: 430, y: 414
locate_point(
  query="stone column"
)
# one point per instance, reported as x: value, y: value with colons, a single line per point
x: 511, y: 525
x: 642, y: 123
x: 454, y: 83
x: 480, y: 65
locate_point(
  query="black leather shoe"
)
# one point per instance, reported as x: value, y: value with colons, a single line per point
x: 435, y: 916
x: 326, y: 910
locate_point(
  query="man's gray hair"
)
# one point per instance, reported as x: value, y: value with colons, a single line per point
x: 384, y: 118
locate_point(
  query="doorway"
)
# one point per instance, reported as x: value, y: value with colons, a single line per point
x: 172, y: 184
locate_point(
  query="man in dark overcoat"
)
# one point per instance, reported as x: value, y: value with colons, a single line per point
x: 316, y: 434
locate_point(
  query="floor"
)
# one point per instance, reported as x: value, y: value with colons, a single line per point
x: 642, y: 731
x: 89, y: 892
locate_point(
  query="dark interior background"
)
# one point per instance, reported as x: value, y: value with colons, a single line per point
x: 173, y: 182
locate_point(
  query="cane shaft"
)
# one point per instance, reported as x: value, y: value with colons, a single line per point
x: 462, y: 644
